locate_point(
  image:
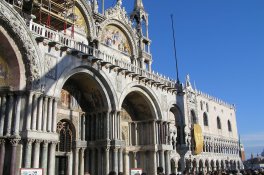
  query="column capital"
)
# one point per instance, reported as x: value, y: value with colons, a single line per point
x: 54, y: 142
x: 30, y: 141
x: 15, y: 142
x: 45, y: 143
x: 38, y: 141
x: 107, y: 148
x: 2, y: 141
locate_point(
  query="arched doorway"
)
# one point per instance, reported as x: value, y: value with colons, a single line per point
x: 83, y: 109
x: 138, y: 123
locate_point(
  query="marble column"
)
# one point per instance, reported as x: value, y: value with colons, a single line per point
x: 161, y: 157
x: 135, y: 159
x: 44, y: 157
x: 40, y: 112
x: 34, y: 113
x: 115, y: 164
x: 106, y: 160
x: 54, y: 115
x: 120, y: 160
x: 45, y: 112
x: 152, y: 161
x: 29, y: 110
x: 14, y: 143
x: 9, y: 114
x: 36, y: 153
x: 126, y: 163
x: 28, y: 153
x: 17, y: 115
x: 168, y: 163
x: 82, y: 161
x: 50, y: 114
x: 3, y: 114
x: 2, y: 155
x: 51, y: 170
x: 76, y: 161
x: 107, y: 127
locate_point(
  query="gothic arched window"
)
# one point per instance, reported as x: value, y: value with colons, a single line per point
x: 205, y: 119
x: 229, y: 126
x: 219, y: 123
x: 65, y: 132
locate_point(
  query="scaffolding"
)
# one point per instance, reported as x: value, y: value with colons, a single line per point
x: 57, y: 15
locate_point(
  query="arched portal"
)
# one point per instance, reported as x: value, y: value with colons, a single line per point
x: 137, y: 126
x: 82, y: 111
x: 217, y: 165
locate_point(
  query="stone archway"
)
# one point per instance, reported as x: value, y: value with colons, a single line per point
x: 84, y: 104
x: 137, y: 124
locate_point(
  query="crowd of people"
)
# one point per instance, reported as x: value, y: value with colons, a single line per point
x: 230, y: 172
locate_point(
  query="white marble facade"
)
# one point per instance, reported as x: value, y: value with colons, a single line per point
x: 89, y: 103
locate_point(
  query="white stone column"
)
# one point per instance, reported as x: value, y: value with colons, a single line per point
x: 50, y: 114
x: 120, y: 160
x: 54, y: 115
x: 76, y: 161
x: 44, y: 156
x: 136, y: 134
x: 106, y: 160
x: 115, y: 164
x: 40, y: 113
x: 36, y: 153
x: 2, y: 155
x: 28, y: 153
x: 107, y: 129
x: 29, y: 111
x: 51, y: 170
x: 45, y: 112
x: 161, y: 157
x: 17, y: 115
x: 168, y: 163
x: 82, y: 161
x: 135, y: 159
x: 14, y: 143
x: 126, y: 163
x: 9, y: 116
x: 34, y: 113
x: 3, y: 113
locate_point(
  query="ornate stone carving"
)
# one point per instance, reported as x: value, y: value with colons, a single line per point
x: 15, y: 142
x: 2, y: 141
x: 12, y: 20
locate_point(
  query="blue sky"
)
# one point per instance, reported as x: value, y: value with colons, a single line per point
x: 220, y: 43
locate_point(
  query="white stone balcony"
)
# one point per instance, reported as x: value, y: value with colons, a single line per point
x: 67, y: 42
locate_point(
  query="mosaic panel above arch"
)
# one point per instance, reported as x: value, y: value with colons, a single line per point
x: 113, y: 37
x: 80, y: 20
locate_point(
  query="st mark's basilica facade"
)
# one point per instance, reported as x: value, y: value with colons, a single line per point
x: 78, y: 96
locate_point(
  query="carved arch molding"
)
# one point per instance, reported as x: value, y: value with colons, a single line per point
x: 16, y: 27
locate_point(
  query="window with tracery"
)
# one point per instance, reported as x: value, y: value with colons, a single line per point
x: 65, y: 132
